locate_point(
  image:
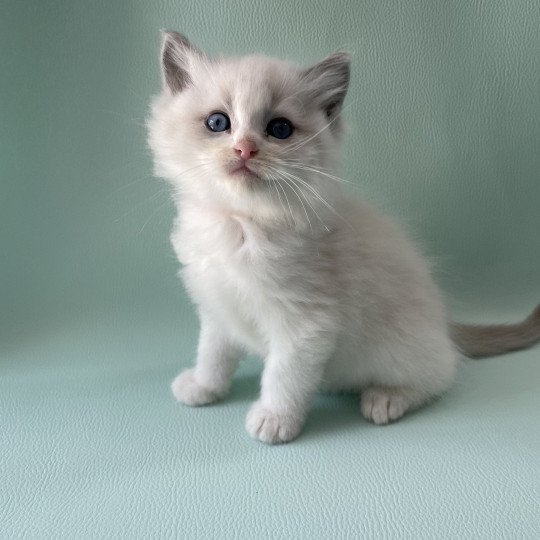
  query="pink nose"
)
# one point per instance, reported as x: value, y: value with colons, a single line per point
x: 246, y: 149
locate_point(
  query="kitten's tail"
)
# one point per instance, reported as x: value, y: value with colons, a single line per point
x: 477, y: 341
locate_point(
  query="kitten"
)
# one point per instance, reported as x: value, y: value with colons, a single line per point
x: 280, y: 262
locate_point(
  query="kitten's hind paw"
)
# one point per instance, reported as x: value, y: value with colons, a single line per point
x: 187, y: 390
x: 383, y: 405
x: 270, y: 427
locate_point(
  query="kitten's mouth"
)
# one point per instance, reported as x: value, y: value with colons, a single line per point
x: 245, y: 171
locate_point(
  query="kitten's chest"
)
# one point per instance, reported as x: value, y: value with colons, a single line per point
x: 220, y: 244
x: 230, y: 267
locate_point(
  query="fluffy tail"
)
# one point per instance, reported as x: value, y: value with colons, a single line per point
x: 480, y: 341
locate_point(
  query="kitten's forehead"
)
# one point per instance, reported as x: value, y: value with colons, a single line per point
x: 255, y: 85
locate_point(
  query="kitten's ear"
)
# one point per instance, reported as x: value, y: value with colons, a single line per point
x: 328, y: 82
x: 177, y: 56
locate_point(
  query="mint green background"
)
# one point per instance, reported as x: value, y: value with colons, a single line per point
x: 444, y: 123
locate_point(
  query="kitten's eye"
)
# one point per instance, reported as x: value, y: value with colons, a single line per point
x: 280, y: 128
x: 218, y: 122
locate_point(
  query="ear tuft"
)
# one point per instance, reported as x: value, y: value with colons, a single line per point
x: 328, y: 82
x: 176, y: 55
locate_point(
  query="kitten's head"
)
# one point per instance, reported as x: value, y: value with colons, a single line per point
x: 253, y: 132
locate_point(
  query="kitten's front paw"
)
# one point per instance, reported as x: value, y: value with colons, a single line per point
x: 270, y: 427
x: 187, y: 390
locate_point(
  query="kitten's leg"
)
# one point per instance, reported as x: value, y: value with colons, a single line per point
x: 217, y: 359
x: 289, y: 381
x: 383, y: 404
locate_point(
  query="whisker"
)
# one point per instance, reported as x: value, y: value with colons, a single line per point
x: 288, y: 203
x: 202, y: 164
x: 135, y: 121
x: 276, y: 184
x: 142, y: 203
x: 157, y: 194
x: 149, y: 177
x: 298, y: 165
x: 294, y: 191
x: 318, y: 196
x: 312, y: 189
x: 292, y: 186
x: 307, y: 202
x: 138, y: 180
x: 152, y: 215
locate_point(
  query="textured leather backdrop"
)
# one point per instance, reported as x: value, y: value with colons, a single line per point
x: 444, y: 132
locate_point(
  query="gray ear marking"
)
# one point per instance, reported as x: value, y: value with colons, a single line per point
x: 328, y: 82
x: 176, y: 52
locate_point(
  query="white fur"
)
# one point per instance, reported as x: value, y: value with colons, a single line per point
x: 330, y: 294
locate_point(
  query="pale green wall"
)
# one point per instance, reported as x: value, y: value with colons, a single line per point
x: 444, y: 132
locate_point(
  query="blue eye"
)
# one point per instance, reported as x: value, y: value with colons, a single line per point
x: 280, y: 128
x: 218, y: 122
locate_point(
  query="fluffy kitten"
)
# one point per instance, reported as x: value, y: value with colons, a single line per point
x: 280, y: 262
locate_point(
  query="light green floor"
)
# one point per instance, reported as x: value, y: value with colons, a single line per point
x: 94, y: 446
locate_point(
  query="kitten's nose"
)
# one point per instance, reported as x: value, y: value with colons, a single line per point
x: 246, y: 149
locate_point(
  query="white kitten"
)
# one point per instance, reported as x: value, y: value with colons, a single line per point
x: 280, y: 262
